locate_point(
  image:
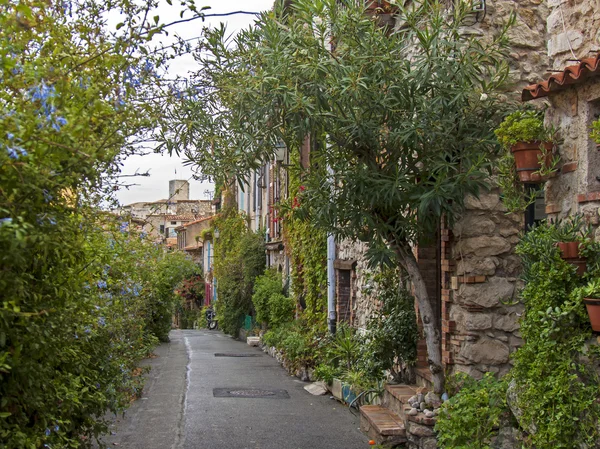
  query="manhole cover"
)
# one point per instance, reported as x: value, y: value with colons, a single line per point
x: 249, y: 393
x: 223, y: 354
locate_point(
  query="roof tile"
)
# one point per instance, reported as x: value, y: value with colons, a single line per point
x: 573, y: 74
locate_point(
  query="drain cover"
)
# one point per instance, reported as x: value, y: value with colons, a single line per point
x: 249, y: 393
x: 225, y: 354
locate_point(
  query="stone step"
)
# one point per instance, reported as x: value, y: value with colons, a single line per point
x: 395, y: 398
x: 424, y: 378
x: 382, y: 425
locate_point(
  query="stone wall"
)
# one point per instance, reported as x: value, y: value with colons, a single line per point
x: 481, y: 309
x: 573, y: 29
x: 199, y: 208
x: 527, y: 37
x: 363, y: 303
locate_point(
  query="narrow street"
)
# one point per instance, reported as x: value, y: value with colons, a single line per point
x: 179, y: 408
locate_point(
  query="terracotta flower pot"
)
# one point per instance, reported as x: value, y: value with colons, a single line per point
x: 569, y: 250
x: 593, y: 309
x: 570, y: 253
x: 527, y: 155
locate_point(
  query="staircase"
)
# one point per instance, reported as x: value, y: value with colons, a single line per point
x: 386, y: 423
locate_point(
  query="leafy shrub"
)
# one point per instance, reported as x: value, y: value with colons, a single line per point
x: 201, y: 321
x: 469, y: 419
x: 391, y: 339
x: 281, y: 309
x: 522, y: 126
x: 192, y: 291
x: 266, y: 286
x: 275, y: 337
x: 555, y: 384
x: 326, y: 372
x: 345, y: 347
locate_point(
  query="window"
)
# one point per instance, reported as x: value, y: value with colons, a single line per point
x: 173, y: 222
x: 535, y: 212
x: 162, y: 229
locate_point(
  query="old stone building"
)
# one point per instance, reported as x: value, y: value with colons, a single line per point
x: 472, y: 270
x: 161, y: 218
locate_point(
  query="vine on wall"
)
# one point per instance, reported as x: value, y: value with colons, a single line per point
x: 238, y: 259
x: 306, y: 246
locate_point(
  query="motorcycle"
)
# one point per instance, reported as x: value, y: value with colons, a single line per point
x: 211, y: 319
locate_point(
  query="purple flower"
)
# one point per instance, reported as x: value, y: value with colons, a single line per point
x: 56, y: 428
x: 101, y: 284
x: 47, y: 432
x: 102, y: 321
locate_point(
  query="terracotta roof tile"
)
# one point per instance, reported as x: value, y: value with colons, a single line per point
x: 198, y: 221
x: 573, y: 74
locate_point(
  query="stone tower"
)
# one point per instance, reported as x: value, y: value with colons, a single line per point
x: 179, y: 190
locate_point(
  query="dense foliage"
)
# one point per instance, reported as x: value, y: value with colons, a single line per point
x: 391, y: 337
x: 70, y: 355
x: 554, y: 381
x: 306, y: 247
x: 471, y: 418
x: 83, y: 299
x: 238, y: 259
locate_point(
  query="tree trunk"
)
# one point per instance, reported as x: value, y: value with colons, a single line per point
x: 432, y: 333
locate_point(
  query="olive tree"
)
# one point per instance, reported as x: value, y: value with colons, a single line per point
x: 403, y: 119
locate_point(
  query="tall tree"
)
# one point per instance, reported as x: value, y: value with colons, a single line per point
x: 403, y: 118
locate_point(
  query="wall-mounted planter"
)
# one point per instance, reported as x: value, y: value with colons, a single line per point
x: 593, y: 309
x: 527, y: 159
x: 570, y: 253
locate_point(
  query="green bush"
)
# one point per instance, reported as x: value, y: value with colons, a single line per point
x: 391, y: 338
x: 201, y: 321
x: 281, y: 309
x: 326, y: 373
x: 555, y: 383
x: 471, y: 417
x: 266, y: 286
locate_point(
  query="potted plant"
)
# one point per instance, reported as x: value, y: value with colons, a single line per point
x: 591, y: 299
x: 570, y: 235
x: 530, y: 144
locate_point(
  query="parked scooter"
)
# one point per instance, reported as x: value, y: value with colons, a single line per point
x: 211, y: 319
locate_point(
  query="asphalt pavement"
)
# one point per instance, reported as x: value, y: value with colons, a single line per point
x: 208, y: 391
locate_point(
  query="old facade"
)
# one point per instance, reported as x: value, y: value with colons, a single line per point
x: 162, y: 217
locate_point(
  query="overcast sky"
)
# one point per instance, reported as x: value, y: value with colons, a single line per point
x: 164, y: 168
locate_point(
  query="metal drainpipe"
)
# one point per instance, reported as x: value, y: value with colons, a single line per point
x: 331, y: 313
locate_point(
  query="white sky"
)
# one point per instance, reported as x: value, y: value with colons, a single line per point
x: 162, y: 167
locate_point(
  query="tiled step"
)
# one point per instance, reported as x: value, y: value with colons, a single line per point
x: 395, y: 398
x: 382, y: 425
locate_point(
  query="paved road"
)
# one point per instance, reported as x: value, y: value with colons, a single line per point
x: 179, y: 410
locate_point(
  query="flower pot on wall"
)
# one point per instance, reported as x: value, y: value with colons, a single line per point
x: 593, y: 309
x: 570, y: 253
x: 527, y: 155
